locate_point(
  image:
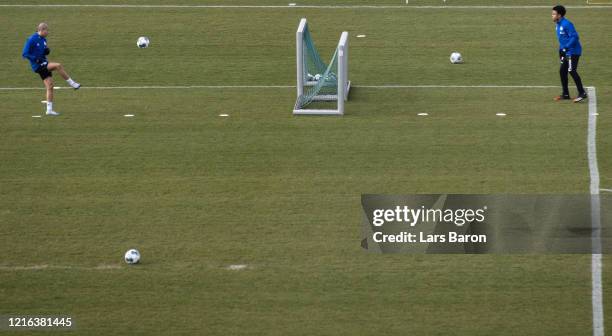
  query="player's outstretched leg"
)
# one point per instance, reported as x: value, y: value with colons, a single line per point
x: 60, y: 69
x: 49, y: 86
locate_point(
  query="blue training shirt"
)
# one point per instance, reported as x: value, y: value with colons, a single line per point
x: 34, y: 51
x: 568, y: 38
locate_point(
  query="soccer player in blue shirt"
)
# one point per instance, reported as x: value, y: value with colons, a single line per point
x: 569, y: 53
x: 36, y: 51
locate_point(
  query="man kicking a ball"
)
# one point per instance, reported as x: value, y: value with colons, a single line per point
x: 36, y: 51
x: 569, y: 53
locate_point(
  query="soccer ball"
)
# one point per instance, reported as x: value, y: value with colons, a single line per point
x: 317, y: 77
x: 143, y: 42
x: 132, y: 256
x: 456, y: 58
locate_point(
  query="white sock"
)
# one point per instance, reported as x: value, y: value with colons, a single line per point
x: 72, y: 83
x: 49, y: 106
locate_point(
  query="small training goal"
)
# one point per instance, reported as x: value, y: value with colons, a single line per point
x: 318, y: 81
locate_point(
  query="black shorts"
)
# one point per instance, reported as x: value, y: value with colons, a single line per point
x: 43, y: 72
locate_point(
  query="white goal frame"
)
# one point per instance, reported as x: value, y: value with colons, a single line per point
x: 344, y: 84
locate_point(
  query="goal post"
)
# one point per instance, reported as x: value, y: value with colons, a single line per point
x: 318, y: 81
x: 300, y: 56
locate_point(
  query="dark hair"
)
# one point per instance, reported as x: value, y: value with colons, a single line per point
x: 560, y: 10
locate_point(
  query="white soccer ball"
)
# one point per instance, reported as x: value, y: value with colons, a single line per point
x: 143, y: 42
x: 132, y: 256
x: 317, y: 77
x: 456, y: 58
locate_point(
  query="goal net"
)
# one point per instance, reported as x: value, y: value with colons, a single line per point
x: 318, y: 81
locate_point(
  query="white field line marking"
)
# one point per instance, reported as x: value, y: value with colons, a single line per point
x: 299, y: 6
x: 391, y: 86
x: 188, y: 87
x: 57, y: 267
x: 596, y: 257
x: 589, y: 2
x: 606, y: 190
x: 168, y: 87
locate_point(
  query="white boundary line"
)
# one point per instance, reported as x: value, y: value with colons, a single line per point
x: 299, y: 6
x: 589, y: 2
x: 58, y: 267
x: 391, y: 86
x: 187, y: 87
x: 596, y: 257
x: 153, y: 87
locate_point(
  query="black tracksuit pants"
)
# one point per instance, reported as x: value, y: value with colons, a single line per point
x: 569, y: 65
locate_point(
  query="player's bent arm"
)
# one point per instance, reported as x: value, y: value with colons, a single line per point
x: 573, y: 36
x: 27, y: 51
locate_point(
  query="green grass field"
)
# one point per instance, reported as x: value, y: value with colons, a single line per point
x: 195, y: 192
